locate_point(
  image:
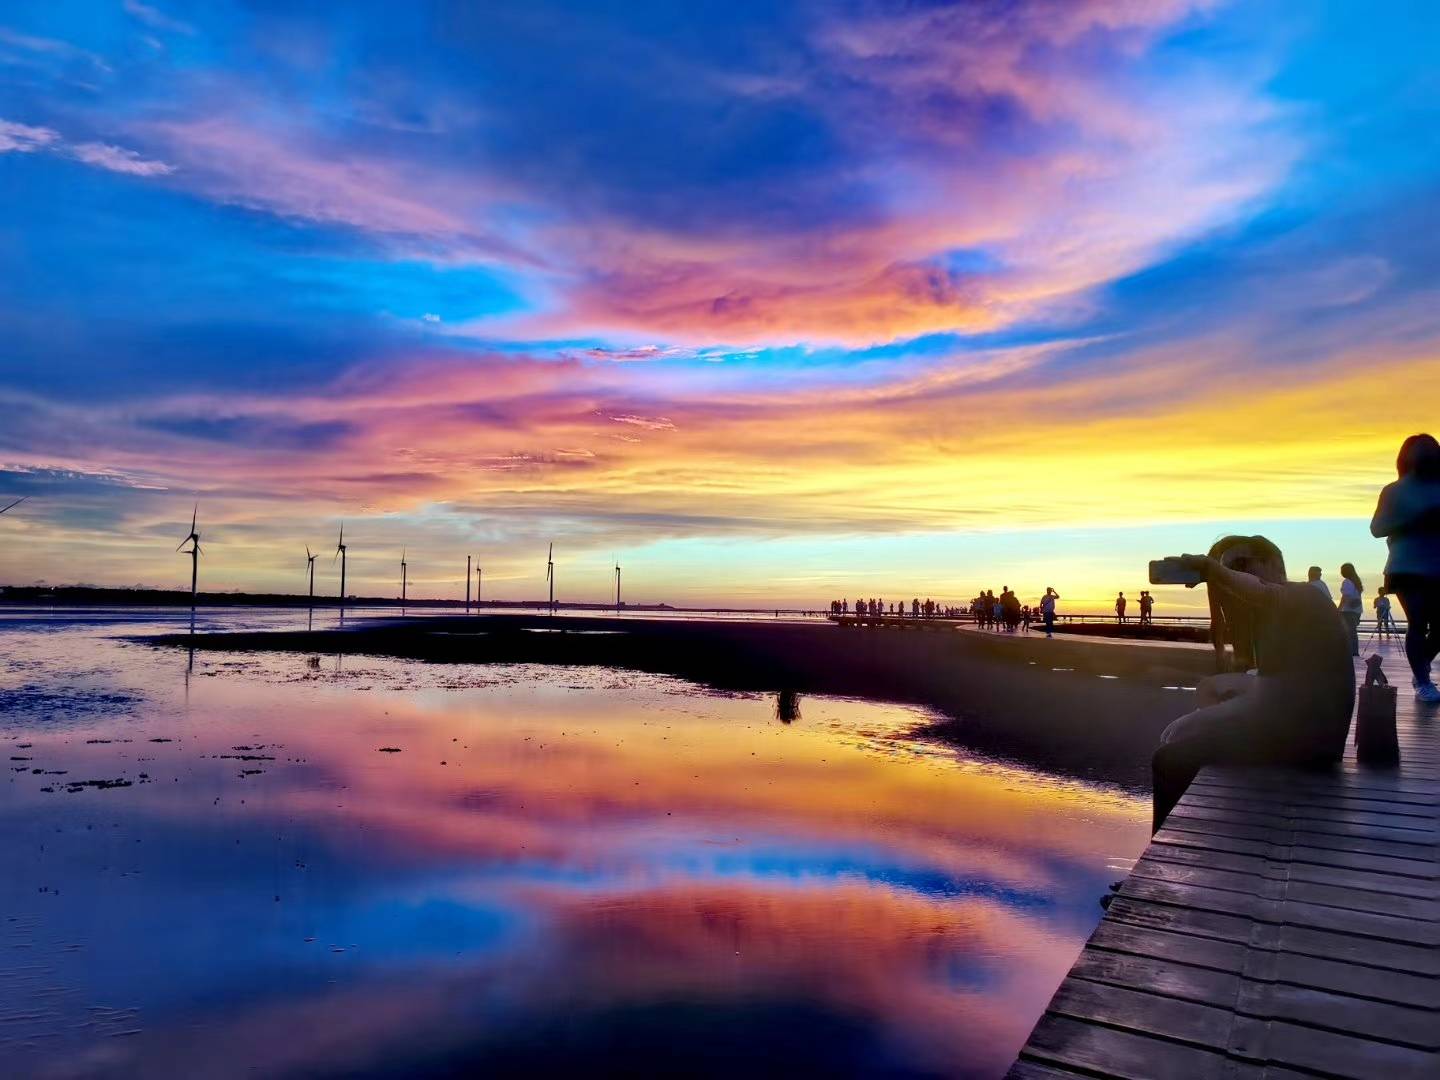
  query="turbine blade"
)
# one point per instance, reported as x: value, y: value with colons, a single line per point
x: 194, y: 513
x: 17, y: 502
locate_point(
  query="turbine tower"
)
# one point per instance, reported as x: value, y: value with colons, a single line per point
x: 550, y: 575
x: 340, y: 549
x: 617, y: 585
x: 404, y: 575
x: 194, y: 541
x: 310, y: 560
x: 467, y: 583
x: 479, y: 584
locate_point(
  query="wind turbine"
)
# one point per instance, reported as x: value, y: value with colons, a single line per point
x: 404, y: 575
x: 479, y: 584
x: 340, y: 554
x: 16, y: 503
x: 310, y: 559
x: 550, y: 575
x: 617, y: 585
x: 194, y: 541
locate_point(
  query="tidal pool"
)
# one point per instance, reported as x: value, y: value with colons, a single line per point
x: 273, y: 864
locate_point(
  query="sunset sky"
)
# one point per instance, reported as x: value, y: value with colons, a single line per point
x: 773, y: 302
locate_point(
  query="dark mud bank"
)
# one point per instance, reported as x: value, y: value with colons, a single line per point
x: 1081, y: 708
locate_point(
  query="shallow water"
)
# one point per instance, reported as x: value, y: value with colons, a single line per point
x: 296, y: 865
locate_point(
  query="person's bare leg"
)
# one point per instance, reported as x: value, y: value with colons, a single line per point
x: 1214, y: 734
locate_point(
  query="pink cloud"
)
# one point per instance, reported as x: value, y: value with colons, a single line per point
x: 293, y: 175
x: 24, y: 138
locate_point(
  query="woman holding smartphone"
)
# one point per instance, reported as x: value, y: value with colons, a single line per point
x: 1295, y: 709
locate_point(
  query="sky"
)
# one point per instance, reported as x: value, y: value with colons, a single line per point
x: 773, y: 303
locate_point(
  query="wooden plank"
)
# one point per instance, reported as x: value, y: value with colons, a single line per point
x: 1104, y: 1051
x: 1417, y: 838
x: 1423, y: 825
x: 1205, y: 1026
x: 1349, y: 896
x: 1384, y: 955
x: 1357, y: 980
x: 1033, y: 1070
x: 1162, y: 849
x: 1410, y: 1026
x: 1116, y: 936
x: 1181, y: 818
x: 1218, y: 1029
x: 1347, y: 778
x: 1354, y: 980
x: 1258, y: 909
x: 1220, y: 782
x: 1332, y: 1054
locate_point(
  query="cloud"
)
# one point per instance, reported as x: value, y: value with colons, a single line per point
x: 296, y: 176
x: 156, y: 19
x: 650, y: 423
x: 48, y: 50
x: 888, y: 173
x: 25, y: 139
x: 118, y: 159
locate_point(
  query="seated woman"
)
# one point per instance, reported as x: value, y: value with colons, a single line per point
x: 1295, y: 709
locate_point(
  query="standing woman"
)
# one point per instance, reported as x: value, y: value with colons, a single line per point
x: 1351, y: 608
x: 1408, y: 516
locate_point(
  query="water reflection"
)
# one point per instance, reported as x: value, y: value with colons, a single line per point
x: 787, y: 706
x: 543, y: 870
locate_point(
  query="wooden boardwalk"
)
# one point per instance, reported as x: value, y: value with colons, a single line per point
x: 1282, y: 924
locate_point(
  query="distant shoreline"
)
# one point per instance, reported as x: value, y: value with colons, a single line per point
x: 89, y: 596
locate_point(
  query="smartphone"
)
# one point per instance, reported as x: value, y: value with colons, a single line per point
x: 1172, y: 572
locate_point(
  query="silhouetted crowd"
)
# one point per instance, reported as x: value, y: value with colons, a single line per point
x: 875, y: 609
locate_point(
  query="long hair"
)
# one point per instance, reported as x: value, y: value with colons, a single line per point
x: 1259, y: 548
x: 1419, y: 455
x: 1347, y: 571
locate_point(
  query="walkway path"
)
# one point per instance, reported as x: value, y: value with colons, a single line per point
x: 1282, y: 924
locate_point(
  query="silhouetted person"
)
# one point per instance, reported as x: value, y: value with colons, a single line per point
x: 1147, y: 605
x: 1296, y: 709
x: 1047, y: 610
x: 1408, y: 516
x: 1351, y: 604
x: 1384, y: 617
x: 1120, y: 608
x: 1315, y: 580
x: 1009, y: 609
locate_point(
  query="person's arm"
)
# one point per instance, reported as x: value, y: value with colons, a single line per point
x: 1219, y: 630
x: 1246, y: 588
x: 1383, y: 522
